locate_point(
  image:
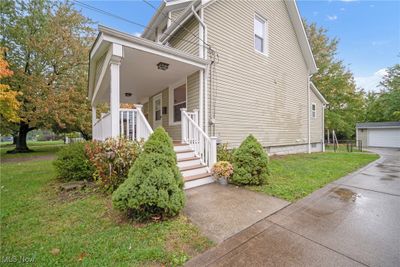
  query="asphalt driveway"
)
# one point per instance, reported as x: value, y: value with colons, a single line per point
x: 354, y: 221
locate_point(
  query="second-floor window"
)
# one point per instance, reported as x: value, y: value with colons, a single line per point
x: 260, y: 34
x: 313, y: 110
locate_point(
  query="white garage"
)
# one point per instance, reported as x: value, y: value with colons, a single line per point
x: 379, y: 134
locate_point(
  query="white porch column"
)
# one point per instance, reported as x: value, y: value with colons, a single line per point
x: 94, y: 120
x: 115, y: 63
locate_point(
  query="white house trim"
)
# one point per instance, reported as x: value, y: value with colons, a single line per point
x: 171, y: 100
x: 318, y: 94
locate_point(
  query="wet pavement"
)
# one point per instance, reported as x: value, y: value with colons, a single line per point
x: 214, y: 209
x: 354, y: 221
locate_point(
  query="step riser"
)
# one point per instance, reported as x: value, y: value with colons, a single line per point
x: 198, y: 182
x: 181, y: 148
x: 194, y: 172
x: 188, y: 163
x: 185, y: 155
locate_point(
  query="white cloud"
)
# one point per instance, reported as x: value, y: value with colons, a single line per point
x: 379, y: 43
x: 137, y: 34
x: 333, y: 17
x: 370, y: 83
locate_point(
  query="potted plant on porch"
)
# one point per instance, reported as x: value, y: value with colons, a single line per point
x: 221, y: 171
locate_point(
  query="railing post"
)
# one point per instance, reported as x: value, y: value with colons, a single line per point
x: 138, y: 123
x: 183, y: 126
x: 213, y: 151
x: 196, y: 115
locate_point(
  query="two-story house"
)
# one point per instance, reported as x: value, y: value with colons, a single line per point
x: 210, y: 71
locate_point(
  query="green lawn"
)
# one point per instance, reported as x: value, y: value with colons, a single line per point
x: 37, y: 222
x: 295, y: 176
x: 40, y: 148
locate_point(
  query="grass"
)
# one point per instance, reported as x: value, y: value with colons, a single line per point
x: 295, y: 176
x: 37, y: 222
x: 40, y: 148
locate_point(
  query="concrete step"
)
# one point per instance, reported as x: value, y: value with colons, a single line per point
x: 193, y: 170
x: 181, y: 147
x: 185, y: 154
x: 197, y: 180
x: 188, y: 162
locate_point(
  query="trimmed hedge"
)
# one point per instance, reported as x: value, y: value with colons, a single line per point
x: 250, y: 163
x: 154, y: 186
x: 72, y: 163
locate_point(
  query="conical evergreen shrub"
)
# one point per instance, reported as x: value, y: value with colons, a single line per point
x: 155, y: 185
x: 250, y: 163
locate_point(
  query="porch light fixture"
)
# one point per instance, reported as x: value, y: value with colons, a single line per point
x: 162, y: 66
x: 128, y: 94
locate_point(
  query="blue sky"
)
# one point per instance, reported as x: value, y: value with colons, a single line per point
x: 369, y: 31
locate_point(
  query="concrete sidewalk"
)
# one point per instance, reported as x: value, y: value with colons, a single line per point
x: 351, y: 222
x: 222, y: 211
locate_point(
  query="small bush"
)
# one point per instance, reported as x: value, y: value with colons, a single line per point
x: 222, y: 169
x: 72, y: 163
x: 224, y: 154
x: 112, y: 159
x: 155, y: 185
x: 250, y: 163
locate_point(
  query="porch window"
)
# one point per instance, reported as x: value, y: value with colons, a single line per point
x: 313, y: 110
x: 260, y: 34
x: 179, y: 101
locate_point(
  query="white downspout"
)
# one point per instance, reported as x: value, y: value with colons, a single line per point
x: 308, y: 114
x: 203, y: 83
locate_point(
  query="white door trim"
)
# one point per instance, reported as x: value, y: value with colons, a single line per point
x: 157, y: 123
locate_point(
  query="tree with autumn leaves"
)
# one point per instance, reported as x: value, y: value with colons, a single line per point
x: 47, y: 50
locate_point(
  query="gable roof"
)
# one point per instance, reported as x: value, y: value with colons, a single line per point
x: 318, y: 94
x: 378, y: 124
x: 291, y: 6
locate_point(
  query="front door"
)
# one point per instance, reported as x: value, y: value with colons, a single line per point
x: 157, y: 111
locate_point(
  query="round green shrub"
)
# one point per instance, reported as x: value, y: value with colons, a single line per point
x: 154, y: 186
x: 72, y: 163
x: 250, y: 163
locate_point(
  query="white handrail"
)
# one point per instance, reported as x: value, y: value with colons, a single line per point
x: 143, y: 127
x: 204, y: 146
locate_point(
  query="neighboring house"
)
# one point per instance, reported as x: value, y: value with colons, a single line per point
x: 211, y: 71
x: 379, y: 134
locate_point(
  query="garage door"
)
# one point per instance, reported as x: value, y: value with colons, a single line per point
x: 384, y: 137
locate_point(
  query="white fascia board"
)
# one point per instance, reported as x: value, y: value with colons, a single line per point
x: 318, y: 94
x: 378, y: 127
x: 301, y: 35
x: 147, y: 31
x: 187, y: 13
x: 114, y: 36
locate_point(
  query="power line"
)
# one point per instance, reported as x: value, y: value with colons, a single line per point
x: 84, y: 5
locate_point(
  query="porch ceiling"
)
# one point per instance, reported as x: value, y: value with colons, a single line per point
x: 139, y: 74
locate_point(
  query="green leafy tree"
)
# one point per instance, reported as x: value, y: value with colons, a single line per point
x: 47, y: 46
x: 336, y: 83
x: 250, y: 163
x: 385, y: 105
x: 154, y: 186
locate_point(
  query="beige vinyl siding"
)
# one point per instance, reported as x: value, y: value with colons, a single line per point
x: 258, y: 94
x: 316, y: 123
x: 193, y: 91
x: 185, y: 38
x: 175, y: 14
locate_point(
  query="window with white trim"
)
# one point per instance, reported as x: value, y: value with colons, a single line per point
x: 179, y: 101
x: 260, y: 34
x: 313, y: 110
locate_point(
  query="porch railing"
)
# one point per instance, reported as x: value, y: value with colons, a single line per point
x: 102, y: 127
x: 132, y: 125
x: 204, y: 147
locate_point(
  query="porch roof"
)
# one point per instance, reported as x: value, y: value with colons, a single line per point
x: 139, y: 74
